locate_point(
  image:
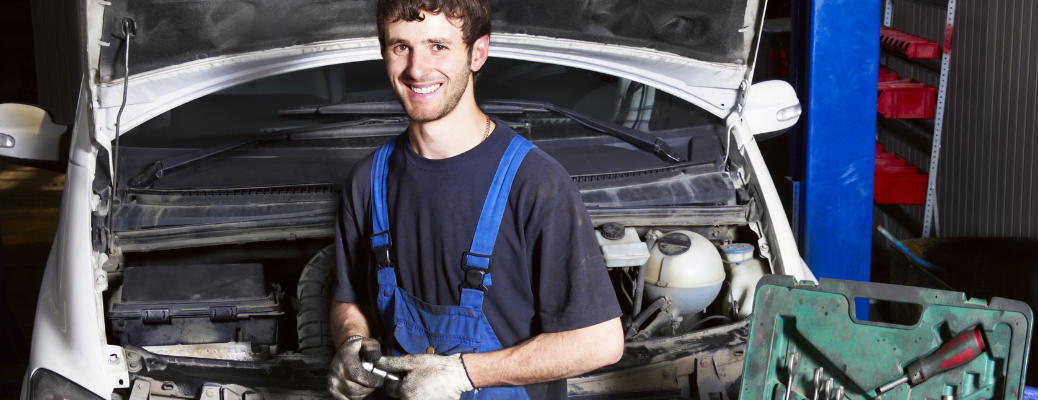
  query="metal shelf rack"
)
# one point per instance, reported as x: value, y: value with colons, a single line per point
x: 921, y: 135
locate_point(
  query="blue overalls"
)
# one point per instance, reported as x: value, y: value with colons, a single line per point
x: 420, y: 327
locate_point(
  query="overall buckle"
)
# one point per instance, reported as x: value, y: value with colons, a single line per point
x: 380, y: 244
x: 474, y: 275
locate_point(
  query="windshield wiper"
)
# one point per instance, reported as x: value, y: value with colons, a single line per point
x: 393, y: 107
x: 642, y: 140
x: 368, y: 127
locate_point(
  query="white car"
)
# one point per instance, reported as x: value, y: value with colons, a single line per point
x: 191, y: 260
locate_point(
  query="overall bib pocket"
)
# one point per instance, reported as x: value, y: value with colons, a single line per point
x: 418, y: 327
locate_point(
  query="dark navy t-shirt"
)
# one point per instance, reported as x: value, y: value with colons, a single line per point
x: 547, y: 270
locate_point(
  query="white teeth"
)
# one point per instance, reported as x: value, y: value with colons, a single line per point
x: 428, y: 89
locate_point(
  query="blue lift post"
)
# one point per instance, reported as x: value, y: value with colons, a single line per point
x: 835, y: 65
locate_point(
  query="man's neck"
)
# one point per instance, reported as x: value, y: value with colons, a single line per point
x: 455, y: 133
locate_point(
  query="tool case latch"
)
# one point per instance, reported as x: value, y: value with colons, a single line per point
x: 155, y: 316
x: 227, y: 313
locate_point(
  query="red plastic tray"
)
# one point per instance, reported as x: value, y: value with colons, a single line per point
x: 886, y: 75
x: 900, y: 188
x: 890, y: 162
x: 910, y: 46
x: 906, y: 100
x: 900, y: 83
x: 896, y: 169
x: 897, y: 182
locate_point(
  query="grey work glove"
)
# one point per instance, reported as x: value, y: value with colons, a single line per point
x: 428, y: 376
x: 347, y: 378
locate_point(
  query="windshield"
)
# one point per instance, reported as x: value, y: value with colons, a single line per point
x: 608, y: 170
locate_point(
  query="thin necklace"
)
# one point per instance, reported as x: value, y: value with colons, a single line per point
x: 486, y: 133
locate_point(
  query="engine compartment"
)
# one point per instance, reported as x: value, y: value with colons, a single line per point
x: 214, y: 353
x: 190, y: 302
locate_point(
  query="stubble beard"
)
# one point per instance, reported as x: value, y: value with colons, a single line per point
x: 451, y: 100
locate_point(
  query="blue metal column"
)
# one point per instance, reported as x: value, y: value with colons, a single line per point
x: 836, y: 67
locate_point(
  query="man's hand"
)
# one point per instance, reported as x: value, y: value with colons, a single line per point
x: 347, y: 379
x: 428, y: 376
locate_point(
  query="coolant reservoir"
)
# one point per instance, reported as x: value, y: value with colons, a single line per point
x: 743, y: 272
x: 621, y: 246
x: 686, y: 268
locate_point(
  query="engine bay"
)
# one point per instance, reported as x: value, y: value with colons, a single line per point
x: 253, y: 316
x: 253, y: 301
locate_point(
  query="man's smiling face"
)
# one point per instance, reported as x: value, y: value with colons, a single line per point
x: 429, y: 65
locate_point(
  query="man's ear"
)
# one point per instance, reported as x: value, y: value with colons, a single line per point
x: 480, y: 51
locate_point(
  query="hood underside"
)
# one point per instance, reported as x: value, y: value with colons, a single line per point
x: 172, y: 32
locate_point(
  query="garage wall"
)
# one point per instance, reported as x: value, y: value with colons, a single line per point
x: 55, y: 29
x: 987, y: 179
x: 17, y: 69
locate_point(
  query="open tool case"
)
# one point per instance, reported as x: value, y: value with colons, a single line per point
x: 818, y: 323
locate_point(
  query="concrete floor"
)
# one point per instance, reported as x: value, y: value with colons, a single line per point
x: 29, y: 202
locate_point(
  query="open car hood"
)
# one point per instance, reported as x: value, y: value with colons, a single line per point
x: 174, y: 32
x: 702, y: 51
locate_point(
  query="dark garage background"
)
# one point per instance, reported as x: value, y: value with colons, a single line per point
x: 987, y: 182
x: 29, y: 201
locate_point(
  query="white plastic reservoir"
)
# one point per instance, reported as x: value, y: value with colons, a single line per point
x: 621, y: 246
x: 743, y: 271
x: 685, y: 268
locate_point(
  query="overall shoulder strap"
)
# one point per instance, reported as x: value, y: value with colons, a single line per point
x: 380, y: 239
x: 476, y: 261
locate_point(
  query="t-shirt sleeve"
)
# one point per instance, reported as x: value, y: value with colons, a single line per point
x: 574, y: 287
x: 351, y: 257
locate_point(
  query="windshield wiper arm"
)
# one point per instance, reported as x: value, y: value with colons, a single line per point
x: 642, y: 140
x: 392, y: 107
x: 639, y: 139
x: 160, y: 168
x: 362, y: 128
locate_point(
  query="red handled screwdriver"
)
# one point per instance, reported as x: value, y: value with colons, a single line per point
x: 957, y: 352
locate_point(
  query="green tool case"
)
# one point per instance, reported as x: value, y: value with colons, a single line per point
x: 818, y: 323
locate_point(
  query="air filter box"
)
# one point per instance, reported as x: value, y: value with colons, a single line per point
x: 194, y: 304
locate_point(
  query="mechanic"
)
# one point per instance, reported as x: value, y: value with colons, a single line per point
x: 434, y: 213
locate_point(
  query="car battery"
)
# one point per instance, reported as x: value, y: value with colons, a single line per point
x: 806, y: 342
x: 194, y: 304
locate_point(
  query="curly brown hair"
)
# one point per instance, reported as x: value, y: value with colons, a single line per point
x: 473, y: 14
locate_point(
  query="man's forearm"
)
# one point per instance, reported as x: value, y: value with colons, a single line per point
x: 548, y: 356
x: 347, y: 320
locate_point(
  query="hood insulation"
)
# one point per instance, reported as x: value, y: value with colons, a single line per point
x: 172, y: 32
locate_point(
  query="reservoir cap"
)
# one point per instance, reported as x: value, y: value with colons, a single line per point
x: 674, y: 244
x: 613, y: 230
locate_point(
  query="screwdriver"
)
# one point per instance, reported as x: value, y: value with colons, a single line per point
x: 957, y: 352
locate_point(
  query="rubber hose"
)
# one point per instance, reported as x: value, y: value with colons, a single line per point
x: 313, y: 323
x: 639, y: 285
x: 640, y: 319
x: 661, y: 319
